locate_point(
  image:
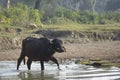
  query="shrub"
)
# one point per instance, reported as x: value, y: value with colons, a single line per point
x: 20, y: 15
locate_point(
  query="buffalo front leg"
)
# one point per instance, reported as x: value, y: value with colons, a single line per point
x: 29, y: 62
x: 55, y: 61
x: 19, y: 61
x: 42, y: 65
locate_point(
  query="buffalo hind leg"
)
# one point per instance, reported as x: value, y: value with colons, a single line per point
x: 42, y: 65
x: 19, y: 61
x: 29, y: 62
x: 55, y: 61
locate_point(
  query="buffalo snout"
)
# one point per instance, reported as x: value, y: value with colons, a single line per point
x: 62, y: 49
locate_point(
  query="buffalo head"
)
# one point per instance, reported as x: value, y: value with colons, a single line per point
x: 58, y: 45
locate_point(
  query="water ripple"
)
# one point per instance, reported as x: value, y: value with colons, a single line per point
x: 69, y: 72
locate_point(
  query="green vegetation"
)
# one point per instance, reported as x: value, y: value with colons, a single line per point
x: 55, y: 16
x: 19, y: 15
x: 84, y: 27
x: 104, y: 63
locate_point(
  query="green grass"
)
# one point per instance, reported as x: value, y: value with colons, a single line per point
x: 72, y: 26
x: 84, y: 27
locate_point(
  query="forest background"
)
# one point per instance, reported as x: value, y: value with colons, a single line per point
x: 60, y: 13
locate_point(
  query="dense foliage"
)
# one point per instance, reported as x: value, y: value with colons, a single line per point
x: 23, y: 12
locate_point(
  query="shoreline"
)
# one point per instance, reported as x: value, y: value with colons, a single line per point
x: 97, y: 51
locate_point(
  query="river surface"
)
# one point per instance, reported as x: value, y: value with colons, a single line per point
x: 69, y: 71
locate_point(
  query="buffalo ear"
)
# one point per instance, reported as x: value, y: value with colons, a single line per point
x: 53, y: 41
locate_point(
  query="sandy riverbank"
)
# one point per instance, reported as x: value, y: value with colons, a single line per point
x: 98, y: 50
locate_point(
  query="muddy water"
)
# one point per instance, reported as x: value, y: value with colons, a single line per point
x: 69, y: 71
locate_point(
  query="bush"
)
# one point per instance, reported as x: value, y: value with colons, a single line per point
x: 20, y: 15
x: 34, y: 16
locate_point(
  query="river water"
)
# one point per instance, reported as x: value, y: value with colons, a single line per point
x: 69, y: 71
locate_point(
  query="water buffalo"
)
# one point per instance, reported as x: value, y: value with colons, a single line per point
x: 40, y: 49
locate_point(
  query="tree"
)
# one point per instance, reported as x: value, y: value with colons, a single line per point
x: 37, y: 4
x: 93, y: 7
x: 8, y: 4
